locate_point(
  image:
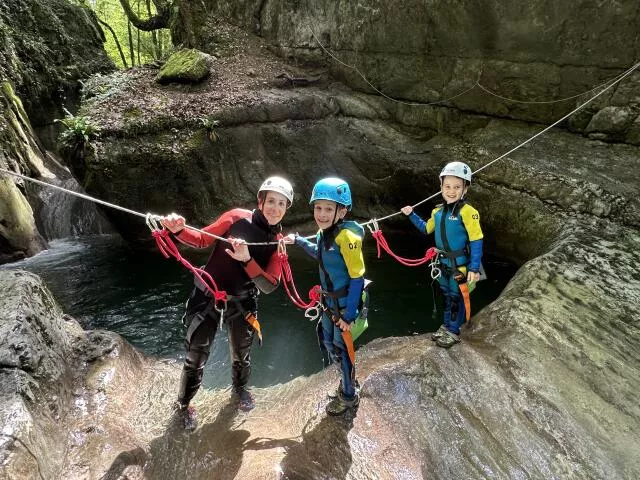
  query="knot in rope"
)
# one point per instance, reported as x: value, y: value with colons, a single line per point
x: 431, y: 253
x: 169, y: 249
x: 315, y: 293
x: 220, y: 295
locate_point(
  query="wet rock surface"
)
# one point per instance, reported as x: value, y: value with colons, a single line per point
x: 46, y: 48
x: 545, y: 382
x: 543, y: 386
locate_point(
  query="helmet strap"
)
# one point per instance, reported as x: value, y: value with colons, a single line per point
x: 337, y: 220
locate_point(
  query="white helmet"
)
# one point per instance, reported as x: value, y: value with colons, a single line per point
x: 278, y: 185
x: 457, y: 169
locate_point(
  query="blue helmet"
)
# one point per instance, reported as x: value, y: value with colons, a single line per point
x: 333, y: 189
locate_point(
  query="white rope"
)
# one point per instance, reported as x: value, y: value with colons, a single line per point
x: 476, y: 84
x: 381, y: 93
x: 613, y: 81
x: 545, y: 102
x: 149, y: 216
x: 71, y: 192
x: 579, y: 107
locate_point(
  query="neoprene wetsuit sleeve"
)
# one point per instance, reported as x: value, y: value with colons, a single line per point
x: 266, y: 280
x: 197, y: 239
x: 475, y: 255
x: 418, y: 222
x: 353, y: 299
x: 471, y: 221
x: 350, y: 246
x: 309, y: 247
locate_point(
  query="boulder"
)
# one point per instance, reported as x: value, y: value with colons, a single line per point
x: 611, y: 123
x: 20, y: 153
x: 52, y: 376
x: 185, y: 66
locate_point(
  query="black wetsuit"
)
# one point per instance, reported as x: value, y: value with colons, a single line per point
x: 242, y: 282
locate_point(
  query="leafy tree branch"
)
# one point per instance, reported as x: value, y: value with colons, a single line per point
x: 155, y: 22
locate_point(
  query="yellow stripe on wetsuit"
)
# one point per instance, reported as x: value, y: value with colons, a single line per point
x: 470, y: 219
x: 350, y: 245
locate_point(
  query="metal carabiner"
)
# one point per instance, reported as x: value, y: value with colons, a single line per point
x: 317, y: 308
x: 153, y: 222
x: 435, y: 271
x: 282, y: 247
x: 220, y: 311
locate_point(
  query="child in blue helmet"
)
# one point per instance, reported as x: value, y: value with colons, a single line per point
x: 338, y: 250
x: 458, y: 238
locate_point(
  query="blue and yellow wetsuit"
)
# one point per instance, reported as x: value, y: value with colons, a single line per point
x: 459, y: 236
x: 338, y: 250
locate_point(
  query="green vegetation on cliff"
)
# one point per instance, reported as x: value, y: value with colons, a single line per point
x: 127, y: 45
x: 45, y: 48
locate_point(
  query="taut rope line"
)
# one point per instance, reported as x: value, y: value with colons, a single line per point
x: 156, y: 217
x: 579, y: 107
x: 355, y: 69
x: 476, y: 84
x: 113, y: 205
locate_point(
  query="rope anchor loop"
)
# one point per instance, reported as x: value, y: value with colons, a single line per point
x: 373, y: 225
x: 282, y: 247
x: 220, y: 298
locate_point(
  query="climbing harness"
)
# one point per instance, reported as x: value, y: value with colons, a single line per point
x: 313, y: 307
x: 612, y: 83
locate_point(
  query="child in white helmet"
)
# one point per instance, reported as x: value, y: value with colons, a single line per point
x: 458, y: 237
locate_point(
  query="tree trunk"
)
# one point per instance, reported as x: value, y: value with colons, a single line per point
x: 161, y: 20
x: 182, y: 25
x: 131, y: 52
x: 138, y: 37
x: 154, y: 35
x: 115, y: 38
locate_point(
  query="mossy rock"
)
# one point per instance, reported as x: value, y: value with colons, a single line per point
x: 184, y: 66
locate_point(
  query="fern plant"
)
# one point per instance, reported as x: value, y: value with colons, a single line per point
x: 209, y: 125
x: 78, y: 131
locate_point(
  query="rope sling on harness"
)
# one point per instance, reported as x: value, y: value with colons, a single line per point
x: 314, y: 303
x: 382, y: 244
x: 335, y: 316
x: 169, y: 249
x: 431, y: 256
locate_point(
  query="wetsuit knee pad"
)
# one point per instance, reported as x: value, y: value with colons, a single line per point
x: 195, y: 359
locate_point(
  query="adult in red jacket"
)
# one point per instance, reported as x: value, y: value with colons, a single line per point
x: 242, y: 271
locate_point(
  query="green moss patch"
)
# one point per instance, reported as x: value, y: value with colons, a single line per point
x: 184, y: 66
